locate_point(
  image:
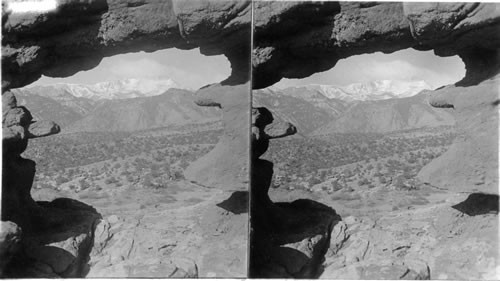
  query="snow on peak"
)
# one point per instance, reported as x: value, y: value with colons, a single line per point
x: 400, y: 89
x: 147, y: 87
x: 117, y: 89
x: 375, y: 90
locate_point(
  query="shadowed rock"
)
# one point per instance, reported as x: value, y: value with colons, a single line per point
x: 298, y: 39
x: 226, y: 166
x: 261, y: 133
x: 474, y: 153
x: 43, y: 129
x: 57, y: 236
x: 79, y: 34
x: 288, y: 240
x: 479, y: 204
x: 10, y: 238
x: 18, y: 173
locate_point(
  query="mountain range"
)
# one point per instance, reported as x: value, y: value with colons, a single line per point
x: 117, y: 89
x: 132, y: 104
x: 374, y: 90
x: 129, y: 105
x: 375, y: 107
x: 384, y: 116
x: 307, y: 110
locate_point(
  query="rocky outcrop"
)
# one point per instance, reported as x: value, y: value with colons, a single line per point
x: 10, y: 236
x: 226, y: 166
x: 60, y: 250
x: 298, y: 39
x: 56, y: 236
x: 79, y: 34
x: 474, y: 153
x: 288, y: 240
x: 439, y: 241
x: 203, y: 233
x: 17, y: 127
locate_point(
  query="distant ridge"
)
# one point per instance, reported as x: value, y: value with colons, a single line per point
x: 117, y: 89
x: 357, y: 108
x: 76, y: 109
x: 384, y: 116
x: 375, y: 90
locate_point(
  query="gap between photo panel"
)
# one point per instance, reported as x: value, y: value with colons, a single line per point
x: 249, y: 139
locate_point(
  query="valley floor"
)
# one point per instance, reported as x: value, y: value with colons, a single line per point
x: 157, y: 224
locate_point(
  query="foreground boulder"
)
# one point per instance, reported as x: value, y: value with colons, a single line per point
x: 454, y: 239
x: 203, y: 233
x: 61, y: 250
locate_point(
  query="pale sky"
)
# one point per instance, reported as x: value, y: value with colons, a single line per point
x: 188, y: 68
x: 191, y: 70
x: 406, y: 65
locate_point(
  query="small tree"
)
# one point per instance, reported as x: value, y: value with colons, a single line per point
x: 363, y: 181
x: 83, y: 184
x: 110, y: 180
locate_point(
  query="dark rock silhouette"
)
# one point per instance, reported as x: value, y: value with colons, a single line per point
x: 288, y: 240
x: 18, y: 173
x: 57, y: 236
x: 237, y: 203
x: 10, y: 237
x: 478, y: 204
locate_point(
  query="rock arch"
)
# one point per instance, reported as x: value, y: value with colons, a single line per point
x: 79, y: 34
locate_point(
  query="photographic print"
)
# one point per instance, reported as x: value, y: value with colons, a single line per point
x: 250, y: 139
x: 125, y: 149
x: 375, y: 140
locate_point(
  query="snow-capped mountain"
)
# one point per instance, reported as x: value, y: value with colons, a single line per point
x: 80, y: 114
x: 400, y: 89
x: 307, y: 110
x: 118, y: 89
x: 313, y: 113
x: 375, y: 90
